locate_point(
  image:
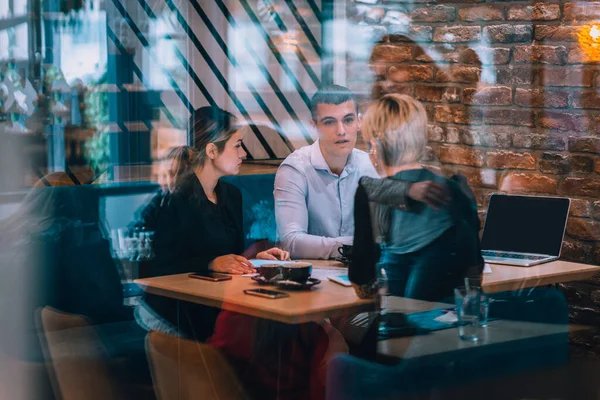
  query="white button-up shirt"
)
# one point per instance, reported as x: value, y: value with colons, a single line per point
x: 314, y: 207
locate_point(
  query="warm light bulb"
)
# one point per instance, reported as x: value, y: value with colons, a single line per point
x: 595, y: 32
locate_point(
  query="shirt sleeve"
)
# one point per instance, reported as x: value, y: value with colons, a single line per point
x: 389, y: 192
x: 291, y: 213
x: 174, y: 242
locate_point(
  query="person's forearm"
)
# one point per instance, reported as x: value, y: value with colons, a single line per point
x: 302, y: 245
x: 393, y: 193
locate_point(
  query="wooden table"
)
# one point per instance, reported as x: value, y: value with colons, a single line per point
x: 507, y: 277
x: 327, y: 299
x: 332, y: 300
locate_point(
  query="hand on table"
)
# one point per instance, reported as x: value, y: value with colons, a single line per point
x: 433, y: 194
x: 232, y: 264
x: 274, y: 254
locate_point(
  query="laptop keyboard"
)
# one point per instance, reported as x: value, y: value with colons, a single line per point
x: 500, y: 254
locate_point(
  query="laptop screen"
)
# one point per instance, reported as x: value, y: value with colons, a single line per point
x: 525, y: 224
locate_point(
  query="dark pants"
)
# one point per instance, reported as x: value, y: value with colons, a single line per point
x: 430, y: 273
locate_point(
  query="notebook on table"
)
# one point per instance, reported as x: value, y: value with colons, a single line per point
x: 524, y: 230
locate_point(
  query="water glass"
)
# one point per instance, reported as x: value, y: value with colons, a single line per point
x: 484, y: 310
x: 383, y: 302
x: 468, y: 308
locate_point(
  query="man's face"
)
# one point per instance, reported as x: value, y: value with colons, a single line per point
x: 337, y: 126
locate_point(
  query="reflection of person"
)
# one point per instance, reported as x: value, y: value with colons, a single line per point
x: 199, y: 226
x: 53, y: 253
x: 426, y: 251
x: 315, y: 185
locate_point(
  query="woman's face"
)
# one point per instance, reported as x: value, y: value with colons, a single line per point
x: 229, y: 161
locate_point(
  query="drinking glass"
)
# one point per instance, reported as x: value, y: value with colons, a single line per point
x: 468, y: 309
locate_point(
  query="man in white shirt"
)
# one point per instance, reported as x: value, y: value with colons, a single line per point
x: 315, y: 185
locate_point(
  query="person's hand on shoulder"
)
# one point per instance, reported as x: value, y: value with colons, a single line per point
x: 433, y: 194
x: 232, y: 264
x: 274, y: 254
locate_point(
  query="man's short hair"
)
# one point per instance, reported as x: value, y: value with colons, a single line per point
x: 331, y: 94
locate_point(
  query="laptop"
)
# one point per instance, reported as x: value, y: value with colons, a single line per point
x: 524, y: 230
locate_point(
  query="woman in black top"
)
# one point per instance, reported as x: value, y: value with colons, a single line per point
x: 198, y: 226
x: 424, y: 249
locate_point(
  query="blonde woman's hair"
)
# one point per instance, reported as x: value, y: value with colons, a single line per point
x: 398, y: 125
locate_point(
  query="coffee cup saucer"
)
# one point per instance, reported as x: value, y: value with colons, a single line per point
x: 287, y: 284
x: 293, y: 285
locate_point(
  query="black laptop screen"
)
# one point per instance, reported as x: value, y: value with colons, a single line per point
x: 525, y: 224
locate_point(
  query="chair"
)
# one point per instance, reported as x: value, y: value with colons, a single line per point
x: 77, y: 361
x: 184, y: 370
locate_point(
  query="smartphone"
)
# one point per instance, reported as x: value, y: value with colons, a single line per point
x: 210, y: 276
x: 269, y: 294
x: 340, y: 280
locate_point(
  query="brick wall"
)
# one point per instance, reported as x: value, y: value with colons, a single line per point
x: 512, y: 100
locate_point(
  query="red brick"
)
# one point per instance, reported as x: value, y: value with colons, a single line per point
x: 493, y: 95
x: 583, y: 228
x: 463, y: 54
x: 416, y: 33
x: 439, y: 53
x: 508, y: 33
x: 583, y: 144
x: 461, y: 155
x: 409, y: 73
x: 580, y: 208
x: 481, y: 13
x: 385, y: 87
x: 597, y: 166
x: 582, y: 164
x: 548, y: 98
x: 553, y: 163
x: 578, y: 56
x: 556, y: 33
x: 489, y: 136
x: 515, y: 75
x: 457, y: 34
x: 564, y: 121
x: 539, y: 142
x: 445, y: 134
x: 476, y: 177
x: 581, y: 187
x: 485, y: 55
x: 541, y: 54
x: 574, y: 251
x: 459, y: 74
x: 436, y: 94
x: 581, y: 11
x: 456, y: 1
x: 572, y: 76
x: 510, y: 160
x: 595, y: 210
x: 433, y: 14
x: 536, y: 12
x: 586, y: 99
x: 495, y: 116
x: 528, y: 182
x: 457, y: 114
x: 391, y: 53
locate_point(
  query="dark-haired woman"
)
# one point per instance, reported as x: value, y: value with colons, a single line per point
x: 199, y: 225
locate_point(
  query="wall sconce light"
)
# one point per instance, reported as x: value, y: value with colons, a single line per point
x: 588, y: 37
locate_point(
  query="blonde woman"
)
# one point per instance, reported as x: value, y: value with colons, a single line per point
x: 425, y: 251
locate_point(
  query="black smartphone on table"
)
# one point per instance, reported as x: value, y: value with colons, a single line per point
x: 210, y: 276
x: 269, y: 294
